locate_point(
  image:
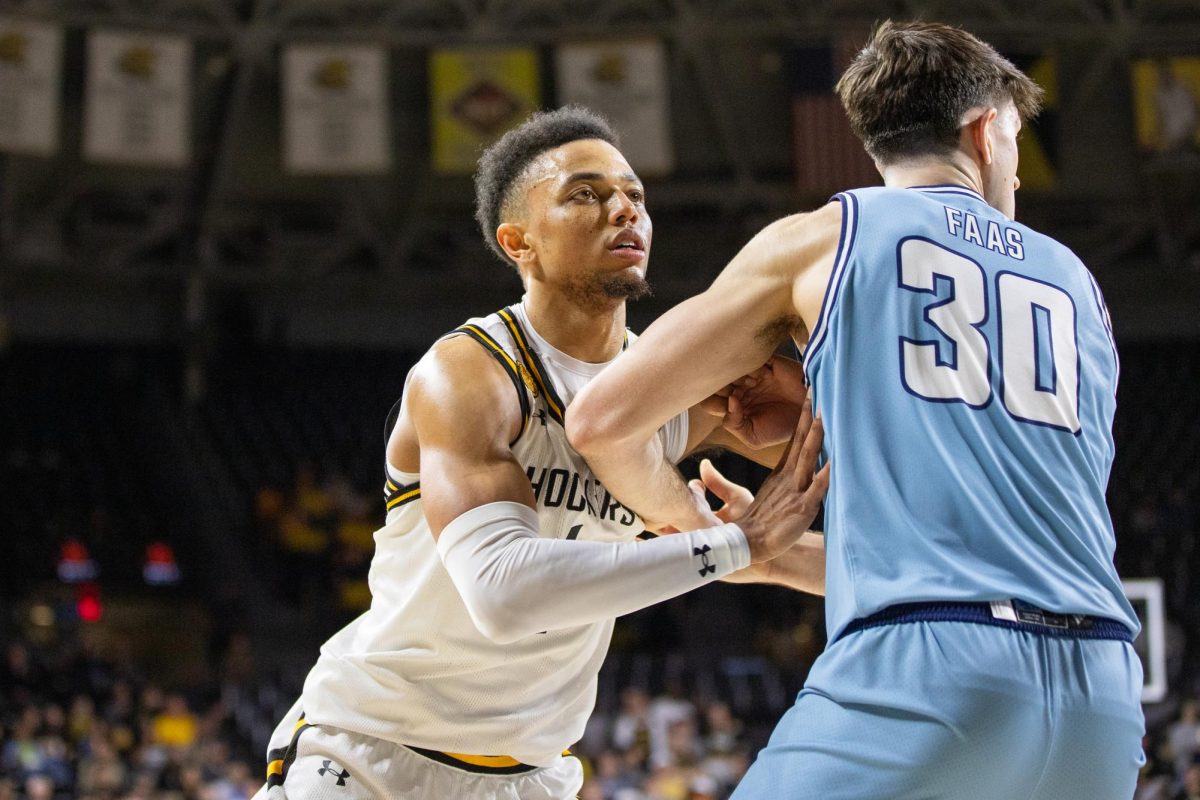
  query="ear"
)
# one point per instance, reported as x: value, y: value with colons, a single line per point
x: 980, y: 132
x: 511, y: 238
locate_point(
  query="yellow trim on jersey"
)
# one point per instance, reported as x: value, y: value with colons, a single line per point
x: 485, y: 761
x: 513, y: 367
x: 275, y: 767
x: 391, y: 485
x: 401, y: 499
x: 495, y: 762
x: 556, y: 409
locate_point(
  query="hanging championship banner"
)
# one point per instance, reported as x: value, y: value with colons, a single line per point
x: 1166, y: 103
x: 477, y: 94
x: 30, y: 73
x: 335, y: 109
x: 139, y: 93
x: 627, y: 83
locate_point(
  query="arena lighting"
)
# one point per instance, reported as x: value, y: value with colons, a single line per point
x: 160, y: 567
x: 75, y: 564
x: 88, y: 605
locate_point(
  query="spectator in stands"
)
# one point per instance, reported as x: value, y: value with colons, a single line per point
x: 631, y: 727
x: 101, y: 772
x: 1191, y: 784
x: 1183, y: 738
x: 176, y: 726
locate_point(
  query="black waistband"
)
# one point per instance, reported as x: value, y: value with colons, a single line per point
x: 1012, y: 614
x: 511, y: 768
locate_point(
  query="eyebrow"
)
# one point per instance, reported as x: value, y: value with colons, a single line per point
x: 596, y: 176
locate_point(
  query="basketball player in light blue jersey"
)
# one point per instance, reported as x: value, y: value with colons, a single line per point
x: 964, y: 368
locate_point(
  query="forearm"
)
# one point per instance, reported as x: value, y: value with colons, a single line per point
x: 643, y: 479
x: 515, y: 583
x: 801, y: 568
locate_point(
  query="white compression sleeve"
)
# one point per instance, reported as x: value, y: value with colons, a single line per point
x: 515, y: 583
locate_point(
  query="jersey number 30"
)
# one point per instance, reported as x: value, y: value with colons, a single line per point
x: 1035, y: 339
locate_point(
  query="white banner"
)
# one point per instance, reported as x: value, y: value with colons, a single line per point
x: 139, y: 99
x: 627, y: 83
x: 335, y: 109
x: 30, y: 80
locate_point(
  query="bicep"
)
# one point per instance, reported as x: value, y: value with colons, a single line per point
x: 464, y: 413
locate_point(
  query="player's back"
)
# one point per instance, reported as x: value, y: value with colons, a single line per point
x: 965, y: 370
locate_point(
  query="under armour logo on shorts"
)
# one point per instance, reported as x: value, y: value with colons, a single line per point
x: 341, y: 775
x: 708, y: 565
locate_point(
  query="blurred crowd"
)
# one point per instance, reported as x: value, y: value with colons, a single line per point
x: 318, y: 532
x: 663, y: 748
x: 1172, y: 770
x: 75, y: 723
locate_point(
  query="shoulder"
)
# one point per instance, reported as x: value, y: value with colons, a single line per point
x: 788, y: 245
x: 459, y: 379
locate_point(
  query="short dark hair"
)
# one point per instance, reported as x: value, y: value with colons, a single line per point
x: 907, y: 90
x: 502, y: 164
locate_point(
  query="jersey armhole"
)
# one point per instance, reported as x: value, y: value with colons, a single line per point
x: 506, y: 362
x: 840, y: 261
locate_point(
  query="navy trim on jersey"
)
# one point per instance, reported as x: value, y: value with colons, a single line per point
x: 840, y: 261
x: 1072, y: 626
x: 950, y: 188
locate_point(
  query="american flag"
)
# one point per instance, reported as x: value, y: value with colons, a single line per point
x: 828, y: 156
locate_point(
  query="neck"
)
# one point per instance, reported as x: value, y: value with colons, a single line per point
x: 594, y: 335
x: 957, y: 170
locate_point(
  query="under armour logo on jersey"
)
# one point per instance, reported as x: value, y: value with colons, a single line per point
x: 341, y: 775
x: 704, y: 559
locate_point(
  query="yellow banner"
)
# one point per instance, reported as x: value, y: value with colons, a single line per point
x: 1165, y: 99
x: 1036, y: 146
x: 477, y: 94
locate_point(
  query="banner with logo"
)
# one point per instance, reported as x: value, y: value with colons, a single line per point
x: 477, y: 94
x: 335, y: 109
x: 1166, y: 102
x: 828, y: 156
x: 626, y: 82
x: 139, y: 95
x: 30, y: 80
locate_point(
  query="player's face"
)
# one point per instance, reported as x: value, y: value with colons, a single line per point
x: 1000, y: 177
x: 586, y: 222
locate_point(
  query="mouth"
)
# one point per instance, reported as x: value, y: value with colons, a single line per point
x: 628, y: 245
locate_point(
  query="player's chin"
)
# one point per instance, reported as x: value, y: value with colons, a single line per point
x: 628, y: 284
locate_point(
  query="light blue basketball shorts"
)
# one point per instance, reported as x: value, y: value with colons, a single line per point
x: 958, y: 711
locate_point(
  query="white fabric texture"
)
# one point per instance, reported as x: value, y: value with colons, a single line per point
x: 415, y: 670
x: 505, y: 572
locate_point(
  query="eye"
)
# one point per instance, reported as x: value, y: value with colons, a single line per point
x: 637, y: 196
x: 585, y: 194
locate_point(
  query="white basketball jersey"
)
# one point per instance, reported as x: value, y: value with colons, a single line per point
x: 414, y: 669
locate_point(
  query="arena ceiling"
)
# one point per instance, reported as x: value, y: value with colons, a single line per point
x: 229, y: 224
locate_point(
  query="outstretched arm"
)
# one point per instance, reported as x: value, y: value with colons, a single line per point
x: 480, y: 507
x: 771, y: 290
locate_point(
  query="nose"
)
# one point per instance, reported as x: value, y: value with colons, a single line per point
x: 621, y: 210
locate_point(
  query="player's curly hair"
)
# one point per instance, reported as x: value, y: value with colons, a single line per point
x: 502, y: 165
x: 906, y: 92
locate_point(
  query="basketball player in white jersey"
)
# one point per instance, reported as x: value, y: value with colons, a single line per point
x: 503, y: 562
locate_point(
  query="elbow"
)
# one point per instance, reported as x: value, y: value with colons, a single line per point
x: 495, y: 620
x: 590, y: 430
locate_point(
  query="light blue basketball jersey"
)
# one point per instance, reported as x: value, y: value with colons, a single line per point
x: 965, y: 370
